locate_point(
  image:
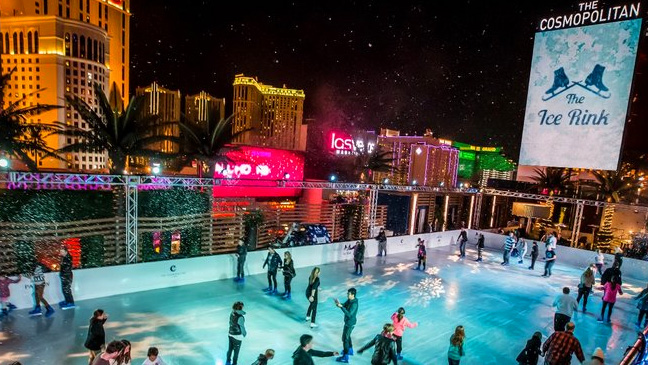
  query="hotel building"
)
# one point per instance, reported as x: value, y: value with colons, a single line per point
x: 201, y: 107
x: 165, y: 104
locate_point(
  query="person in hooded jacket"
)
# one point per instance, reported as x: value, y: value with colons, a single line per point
x: 264, y: 358
x: 529, y: 355
x: 236, y: 332
x: 273, y: 262
x: 305, y: 352
x: 384, y: 352
x: 358, y: 256
x: 241, y: 255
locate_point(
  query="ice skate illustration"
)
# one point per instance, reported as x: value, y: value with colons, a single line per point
x: 561, y: 81
x: 594, y: 82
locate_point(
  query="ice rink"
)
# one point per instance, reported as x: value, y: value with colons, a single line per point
x: 500, y: 308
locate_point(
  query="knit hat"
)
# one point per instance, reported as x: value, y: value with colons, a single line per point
x: 598, y: 353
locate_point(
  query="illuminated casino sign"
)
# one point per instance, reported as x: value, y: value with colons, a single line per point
x: 342, y: 143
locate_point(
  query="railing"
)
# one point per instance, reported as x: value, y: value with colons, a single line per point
x: 637, y: 354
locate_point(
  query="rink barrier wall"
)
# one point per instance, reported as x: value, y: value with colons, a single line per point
x: 123, y: 279
x: 632, y: 268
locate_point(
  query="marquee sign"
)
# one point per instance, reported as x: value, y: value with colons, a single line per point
x: 342, y: 143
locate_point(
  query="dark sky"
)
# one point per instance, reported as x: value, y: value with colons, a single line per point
x: 460, y: 68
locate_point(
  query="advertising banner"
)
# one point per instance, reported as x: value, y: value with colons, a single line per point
x: 578, y: 93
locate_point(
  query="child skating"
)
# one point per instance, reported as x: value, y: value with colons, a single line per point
x: 5, y: 294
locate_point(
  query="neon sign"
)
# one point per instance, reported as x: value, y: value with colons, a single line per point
x: 344, y: 144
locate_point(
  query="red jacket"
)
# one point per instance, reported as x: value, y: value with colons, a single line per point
x: 399, y: 326
x: 4, y: 286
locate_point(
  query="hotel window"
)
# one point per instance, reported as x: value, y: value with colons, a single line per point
x: 45, y: 7
x: 82, y: 47
x: 75, y: 47
x: 90, y: 49
x: 95, y: 48
x: 35, y: 42
x: 1, y: 43
x: 6, y: 38
x: 67, y: 44
x: 15, y: 43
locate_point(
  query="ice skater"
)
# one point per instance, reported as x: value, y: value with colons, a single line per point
x: 96, y: 338
x: 311, y: 294
x: 153, y: 357
x: 358, y: 256
x: 565, y: 306
x: 241, y: 255
x: 38, y: 279
x: 535, y: 251
x: 529, y: 355
x: 456, y: 349
x: 5, y: 294
x: 273, y: 262
x: 66, y: 276
x: 399, y: 322
x: 642, y: 305
x: 480, y: 247
x: 265, y: 357
x: 599, y: 261
x: 509, y: 245
x: 288, y: 273
x: 384, y: 343
x: 350, y: 310
x: 462, y: 239
x: 522, y: 249
x: 610, y: 291
x: 113, y: 349
x: 618, y: 256
x: 610, y: 273
x: 124, y: 357
x: 305, y: 352
x: 236, y: 333
x: 550, y: 261
x: 382, y: 242
x: 421, y: 254
x: 561, y: 346
x: 587, y: 281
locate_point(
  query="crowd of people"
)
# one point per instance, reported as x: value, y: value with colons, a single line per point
x: 387, y: 345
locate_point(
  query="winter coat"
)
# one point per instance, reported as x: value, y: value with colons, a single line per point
x: 642, y: 298
x: 463, y: 236
x: 586, y: 282
x: 66, y: 268
x: 242, y: 250
x: 455, y: 352
x: 399, y: 326
x: 261, y: 360
x: 480, y: 241
x: 302, y: 357
x: 350, y: 309
x: 384, y: 353
x: 382, y: 237
x: 422, y: 251
x: 4, y: 286
x: 534, y: 250
x: 609, y: 273
x: 273, y: 261
x: 530, y: 353
x: 237, y: 323
x: 314, y: 286
x: 96, y: 335
x: 610, y: 294
x: 359, y: 253
x: 289, y: 269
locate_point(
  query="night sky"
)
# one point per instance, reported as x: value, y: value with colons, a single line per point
x: 460, y: 68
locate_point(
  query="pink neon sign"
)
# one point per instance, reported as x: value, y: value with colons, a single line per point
x: 344, y: 144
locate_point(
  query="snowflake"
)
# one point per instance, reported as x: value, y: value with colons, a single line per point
x: 423, y: 292
x: 432, y: 271
x: 360, y: 281
x: 398, y: 268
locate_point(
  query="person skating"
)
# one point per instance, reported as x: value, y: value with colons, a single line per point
x: 382, y: 242
x: 273, y: 262
x: 384, y: 352
x: 642, y: 305
x: 457, y: 350
x: 236, y: 333
x: 598, y: 357
x: 565, y: 306
x: 534, y: 255
x: 612, y: 272
x: 5, y: 294
x: 288, y: 273
x: 311, y: 294
x: 552, y: 241
x: 96, y: 335
x: 38, y: 279
x: 265, y: 357
x: 124, y: 357
x: 399, y: 322
x: 66, y: 279
x: 610, y: 291
x: 561, y: 345
x: 350, y: 310
x: 421, y: 254
x: 522, y: 249
x: 462, y: 239
x: 241, y: 255
x: 618, y: 257
x: 113, y: 349
x: 480, y: 247
x: 509, y: 245
x: 358, y: 256
x: 529, y: 355
x: 550, y: 261
x: 587, y: 281
x: 153, y: 357
x: 305, y: 352
x: 599, y: 261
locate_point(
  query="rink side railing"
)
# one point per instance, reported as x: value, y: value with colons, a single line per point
x: 637, y: 353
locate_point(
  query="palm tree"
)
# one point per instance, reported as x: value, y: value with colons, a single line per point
x: 554, y: 179
x: 19, y: 138
x: 121, y: 133
x: 366, y: 163
x: 206, y: 146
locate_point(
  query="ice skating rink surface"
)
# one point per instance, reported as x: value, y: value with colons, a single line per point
x: 500, y: 308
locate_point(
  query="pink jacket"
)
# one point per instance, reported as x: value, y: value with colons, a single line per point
x: 610, y: 295
x: 399, y: 326
x: 4, y: 286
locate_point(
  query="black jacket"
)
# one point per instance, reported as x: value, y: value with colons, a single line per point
x: 301, y: 357
x: 237, y: 323
x: 384, y: 352
x: 66, y: 267
x: 289, y: 269
x: 529, y: 355
x: 480, y: 241
x: 534, y: 251
x: 350, y: 309
x: 314, y: 286
x: 273, y: 261
x: 96, y: 335
x: 242, y: 250
x: 359, y: 253
x: 609, y: 273
x: 261, y: 360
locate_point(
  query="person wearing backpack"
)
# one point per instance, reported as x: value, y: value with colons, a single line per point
x: 384, y: 352
x: 529, y: 355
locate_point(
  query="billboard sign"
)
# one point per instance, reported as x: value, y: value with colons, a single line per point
x: 342, y: 143
x: 579, y: 87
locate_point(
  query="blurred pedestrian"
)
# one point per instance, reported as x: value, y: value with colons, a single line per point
x: 236, y: 333
x: 153, y: 357
x: 509, y: 245
x: 642, y: 305
x: 587, y: 281
x: 350, y: 310
x: 421, y: 254
x: 5, y: 294
x: 457, y: 350
x: 265, y: 357
x: 241, y: 255
x: 534, y: 255
x: 462, y: 239
x: 399, y: 322
x: 480, y: 247
x: 382, y: 242
x: 358, y: 256
x: 96, y: 337
x: 565, y: 306
x: 38, y: 279
x: 522, y: 249
x: 550, y: 261
x: 618, y: 256
x: 598, y: 357
x: 66, y: 276
x: 112, y: 351
x: 305, y: 352
x: 529, y: 355
x: 610, y: 291
x: 384, y: 352
x: 311, y: 294
x: 124, y: 357
x: 288, y: 273
x: 612, y: 272
x: 599, y: 261
x: 561, y: 345
x: 273, y: 262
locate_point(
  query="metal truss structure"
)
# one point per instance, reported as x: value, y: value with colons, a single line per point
x: 373, y: 207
